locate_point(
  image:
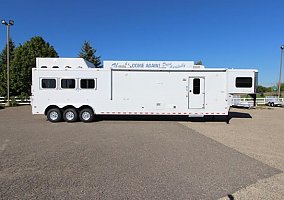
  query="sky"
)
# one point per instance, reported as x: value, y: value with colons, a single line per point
x: 221, y: 33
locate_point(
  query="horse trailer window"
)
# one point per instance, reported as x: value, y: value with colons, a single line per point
x: 243, y: 82
x: 68, y: 83
x: 196, y: 86
x: 87, y: 83
x: 48, y: 83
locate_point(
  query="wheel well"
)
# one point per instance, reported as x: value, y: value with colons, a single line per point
x: 86, y: 106
x: 69, y: 106
x: 50, y: 107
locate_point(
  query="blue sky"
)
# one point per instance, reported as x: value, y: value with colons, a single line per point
x: 221, y: 33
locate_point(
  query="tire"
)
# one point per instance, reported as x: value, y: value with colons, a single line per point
x: 272, y: 104
x: 70, y: 115
x: 86, y: 115
x: 54, y: 115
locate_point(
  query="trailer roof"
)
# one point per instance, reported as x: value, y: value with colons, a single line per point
x: 81, y: 64
x: 63, y: 63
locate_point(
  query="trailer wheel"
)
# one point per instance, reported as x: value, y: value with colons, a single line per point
x: 272, y: 104
x: 86, y: 115
x: 54, y: 115
x: 70, y: 115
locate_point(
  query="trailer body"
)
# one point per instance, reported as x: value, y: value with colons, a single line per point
x: 136, y: 87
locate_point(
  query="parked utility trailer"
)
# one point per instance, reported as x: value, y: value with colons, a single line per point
x: 72, y: 89
x: 273, y: 101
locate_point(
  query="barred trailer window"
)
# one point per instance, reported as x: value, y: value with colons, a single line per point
x: 68, y: 83
x: 87, y: 83
x: 48, y: 83
x: 243, y: 82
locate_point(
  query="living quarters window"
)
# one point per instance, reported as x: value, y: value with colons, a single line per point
x: 87, y: 83
x: 243, y: 82
x: 48, y: 83
x: 68, y: 83
x: 196, y: 86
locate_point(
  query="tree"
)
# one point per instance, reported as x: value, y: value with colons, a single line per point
x: 89, y: 54
x: 199, y: 62
x: 23, y: 62
x: 3, y: 67
x: 261, y: 89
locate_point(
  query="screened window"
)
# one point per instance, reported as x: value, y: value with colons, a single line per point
x: 48, y: 83
x: 68, y: 83
x: 87, y: 83
x: 196, y: 86
x: 243, y: 82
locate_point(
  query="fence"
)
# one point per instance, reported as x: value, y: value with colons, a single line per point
x: 17, y: 100
x: 236, y: 101
x: 259, y: 101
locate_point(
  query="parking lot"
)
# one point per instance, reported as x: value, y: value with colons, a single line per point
x: 142, y: 159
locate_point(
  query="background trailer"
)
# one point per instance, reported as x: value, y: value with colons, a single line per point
x: 71, y: 88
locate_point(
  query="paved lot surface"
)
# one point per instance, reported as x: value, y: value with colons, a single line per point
x: 117, y: 160
x: 259, y: 134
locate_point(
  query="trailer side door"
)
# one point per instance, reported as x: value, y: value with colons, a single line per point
x: 196, y: 92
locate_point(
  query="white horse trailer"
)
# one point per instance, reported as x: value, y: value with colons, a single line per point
x: 71, y: 88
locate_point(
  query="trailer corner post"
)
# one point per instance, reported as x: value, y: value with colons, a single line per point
x: 111, y: 83
x: 280, y: 73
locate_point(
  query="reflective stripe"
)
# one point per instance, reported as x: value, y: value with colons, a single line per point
x: 162, y: 113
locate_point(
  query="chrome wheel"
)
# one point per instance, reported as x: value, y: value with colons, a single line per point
x: 54, y: 115
x: 86, y: 115
x: 70, y: 115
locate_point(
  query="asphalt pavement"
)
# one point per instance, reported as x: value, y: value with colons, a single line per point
x: 116, y: 159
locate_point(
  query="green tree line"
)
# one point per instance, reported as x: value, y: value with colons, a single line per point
x: 23, y: 59
x: 261, y: 89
